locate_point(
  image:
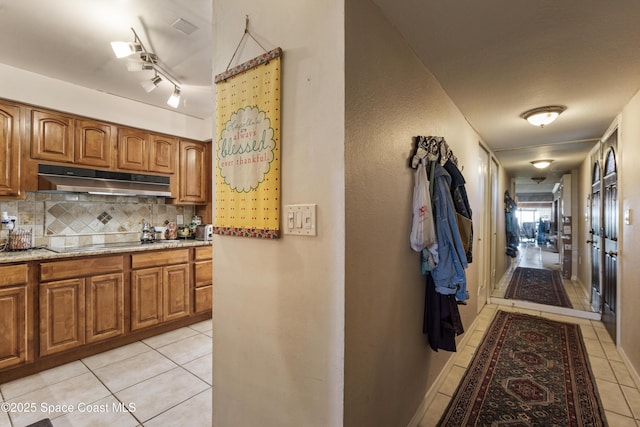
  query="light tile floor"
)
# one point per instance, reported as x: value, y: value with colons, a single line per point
x: 619, y: 394
x: 164, y: 381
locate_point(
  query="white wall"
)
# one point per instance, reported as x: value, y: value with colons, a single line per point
x: 278, y: 306
x: 30, y: 88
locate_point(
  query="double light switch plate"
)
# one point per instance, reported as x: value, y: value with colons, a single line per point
x: 300, y: 220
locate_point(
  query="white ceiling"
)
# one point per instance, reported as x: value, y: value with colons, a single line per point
x: 499, y: 58
x: 494, y: 58
x: 70, y: 40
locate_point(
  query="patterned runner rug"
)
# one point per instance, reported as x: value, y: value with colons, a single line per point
x: 528, y: 371
x: 539, y: 286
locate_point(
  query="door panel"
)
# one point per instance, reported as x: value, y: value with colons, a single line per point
x: 594, y: 240
x: 610, y: 252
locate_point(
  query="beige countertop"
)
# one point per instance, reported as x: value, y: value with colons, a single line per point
x: 45, y: 254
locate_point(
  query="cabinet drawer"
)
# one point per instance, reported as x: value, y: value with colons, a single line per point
x: 204, y: 299
x: 203, y: 273
x: 13, y: 274
x: 204, y: 253
x: 57, y: 270
x: 156, y: 259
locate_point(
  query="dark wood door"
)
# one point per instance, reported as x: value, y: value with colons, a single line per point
x: 610, y: 242
x: 595, y: 237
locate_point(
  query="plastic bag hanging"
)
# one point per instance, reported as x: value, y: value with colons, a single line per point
x: 423, y: 232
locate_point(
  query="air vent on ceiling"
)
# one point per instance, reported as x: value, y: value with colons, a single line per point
x: 184, y: 26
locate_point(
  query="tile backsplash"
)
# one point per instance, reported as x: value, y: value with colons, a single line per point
x: 65, y: 219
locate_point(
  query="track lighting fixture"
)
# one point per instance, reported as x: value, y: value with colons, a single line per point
x: 147, y: 61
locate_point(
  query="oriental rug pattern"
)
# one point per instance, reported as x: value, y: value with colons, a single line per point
x: 528, y: 371
x: 539, y: 286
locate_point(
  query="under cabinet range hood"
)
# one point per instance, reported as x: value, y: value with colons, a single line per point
x: 79, y: 180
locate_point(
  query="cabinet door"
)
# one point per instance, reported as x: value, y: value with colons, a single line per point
x: 193, y: 172
x: 163, y: 152
x: 62, y: 315
x: 94, y: 143
x: 9, y: 150
x: 146, y: 297
x: 133, y: 149
x: 51, y: 136
x: 13, y: 326
x: 105, y: 307
x: 176, y: 292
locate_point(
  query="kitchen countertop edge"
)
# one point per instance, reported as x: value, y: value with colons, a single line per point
x: 45, y: 254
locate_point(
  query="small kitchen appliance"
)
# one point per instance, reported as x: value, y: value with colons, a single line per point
x: 204, y: 232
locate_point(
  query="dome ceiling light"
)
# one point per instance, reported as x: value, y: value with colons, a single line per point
x: 541, y: 164
x: 543, y: 116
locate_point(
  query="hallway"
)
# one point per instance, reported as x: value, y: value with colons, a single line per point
x: 531, y: 255
x: 618, y: 392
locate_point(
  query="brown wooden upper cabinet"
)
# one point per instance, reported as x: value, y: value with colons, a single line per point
x: 95, y: 143
x: 10, y: 122
x: 63, y: 138
x: 51, y: 136
x: 194, y: 175
x: 163, y: 151
x: 133, y: 149
x: 144, y: 152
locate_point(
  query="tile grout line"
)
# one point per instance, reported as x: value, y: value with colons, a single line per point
x: 110, y: 391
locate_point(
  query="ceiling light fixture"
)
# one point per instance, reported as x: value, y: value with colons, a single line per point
x: 543, y: 116
x: 541, y: 164
x: 147, y: 61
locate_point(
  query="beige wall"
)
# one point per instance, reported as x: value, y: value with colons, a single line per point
x: 30, y: 88
x: 279, y: 305
x: 390, y: 97
x: 629, y: 243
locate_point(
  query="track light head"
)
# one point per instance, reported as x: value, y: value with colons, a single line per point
x: 150, y: 85
x: 174, y: 99
x: 124, y: 49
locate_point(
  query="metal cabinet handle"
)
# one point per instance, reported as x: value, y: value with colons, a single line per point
x: 611, y: 253
x: 590, y: 241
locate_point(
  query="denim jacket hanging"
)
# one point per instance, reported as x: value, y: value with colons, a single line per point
x: 448, y: 275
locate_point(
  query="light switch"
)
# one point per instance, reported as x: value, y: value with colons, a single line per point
x: 290, y: 220
x: 298, y: 219
x: 627, y: 216
x: 301, y: 220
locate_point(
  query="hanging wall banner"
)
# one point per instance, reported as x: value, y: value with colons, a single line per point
x: 248, y: 148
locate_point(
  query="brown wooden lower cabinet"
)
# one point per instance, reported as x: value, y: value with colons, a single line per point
x: 146, y: 297
x: 176, y: 289
x: 62, y: 315
x: 13, y: 326
x: 160, y: 294
x: 204, y: 299
x: 86, y: 305
x: 16, y: 305
x: 203, y: 273
x: 104, y: 307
